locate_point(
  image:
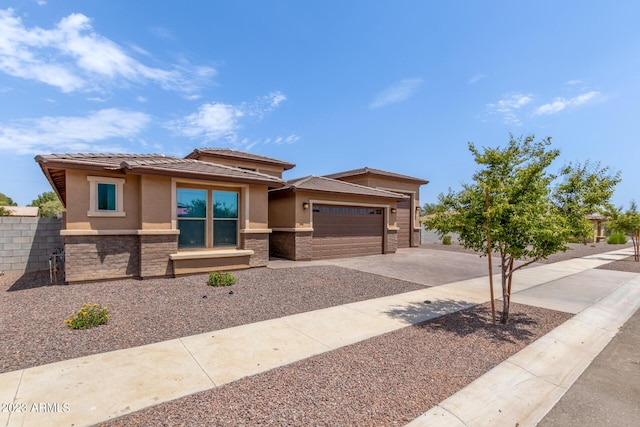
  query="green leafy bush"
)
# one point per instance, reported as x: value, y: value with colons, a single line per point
x: 221, y: 278
x: 617, y: 239
x: 446, y: 240
x: 88, y: 316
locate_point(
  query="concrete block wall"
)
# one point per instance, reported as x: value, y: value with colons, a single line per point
x: 430, y: 237
x: 27, y: 242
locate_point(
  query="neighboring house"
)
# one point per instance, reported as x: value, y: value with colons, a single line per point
x: 152, y: 215
x: 24, y: 211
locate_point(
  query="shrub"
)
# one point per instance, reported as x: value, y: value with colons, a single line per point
x: 88, y: 316
x: 446, y: 240
x: 221, y: 278
x: 617, y: 239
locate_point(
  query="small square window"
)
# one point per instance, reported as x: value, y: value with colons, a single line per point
x: 106, y: 196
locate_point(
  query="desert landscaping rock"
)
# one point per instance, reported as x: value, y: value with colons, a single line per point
x: 384, y: 381
x: 32, y: 331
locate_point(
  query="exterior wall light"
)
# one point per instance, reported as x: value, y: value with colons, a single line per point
x: 305, y: 205
x: 394, y: 210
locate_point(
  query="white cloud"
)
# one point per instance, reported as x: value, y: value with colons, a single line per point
x: 214, y: 121
x: 559, y: 104
x: 476, y: 78
x: 72, y: 56
x: 68, y: 133
x: 210, y: 122
x: 397, y: 92
x: 509, y: 106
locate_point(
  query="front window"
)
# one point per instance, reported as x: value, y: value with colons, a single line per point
x: 192, y: 218
x: 225, y: 218
x: 196, y: 221
x: 106, y: 196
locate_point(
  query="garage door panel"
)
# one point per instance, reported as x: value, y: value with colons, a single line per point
x: 340, y: 231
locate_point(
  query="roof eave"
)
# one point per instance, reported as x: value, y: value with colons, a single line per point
x: 275, y: 183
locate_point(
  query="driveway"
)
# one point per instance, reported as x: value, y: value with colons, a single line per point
x: 418, y: 265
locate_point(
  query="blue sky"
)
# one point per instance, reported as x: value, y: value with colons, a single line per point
x: 328, y: 85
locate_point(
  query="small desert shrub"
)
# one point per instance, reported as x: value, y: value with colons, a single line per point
x: 446, y: 240
x: 617, y: 239
x: 88, y: 316
x: 221, y: 278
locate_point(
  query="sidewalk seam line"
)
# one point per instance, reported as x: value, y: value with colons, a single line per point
x: 198, y: 363
x: 15, y: 396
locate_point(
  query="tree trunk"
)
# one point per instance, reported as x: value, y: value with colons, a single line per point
x: 504, y: 317
x: 635, y: 238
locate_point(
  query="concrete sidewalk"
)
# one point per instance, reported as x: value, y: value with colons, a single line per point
x: 91, y: 389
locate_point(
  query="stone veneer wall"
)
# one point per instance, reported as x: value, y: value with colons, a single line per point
x: 295, y: 245
x: 392, y: 242
x: 154, y: 254
x: 26, y: 243
x: 417, y: 235
x: 259, y: 244
x: 101, y: 257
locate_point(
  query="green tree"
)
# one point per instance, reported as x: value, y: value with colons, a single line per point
x: 513, y: 200
x: 628, y: 223
x: 6, y: 201
x: 4, y: 212
x: 428, y: 209
x: 49, y: 204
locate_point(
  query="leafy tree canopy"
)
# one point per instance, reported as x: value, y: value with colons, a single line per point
x: 428, y: 209
x: 529, y: 217
x: 6, y: 201
x: 49, y: 204
x: 628, y: 223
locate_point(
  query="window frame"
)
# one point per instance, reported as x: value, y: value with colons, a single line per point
x: 210, y: 218
x: 94, y: 211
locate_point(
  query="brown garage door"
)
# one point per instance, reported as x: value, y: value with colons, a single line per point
x: 403, y: 217
x: 346, y: 231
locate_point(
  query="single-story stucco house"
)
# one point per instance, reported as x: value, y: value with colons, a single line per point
x: 151, y: 215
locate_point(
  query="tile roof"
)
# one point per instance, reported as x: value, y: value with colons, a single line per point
x: 240, y: 155
x: 157, y: 164
x: 329, y: 185
x: 367, y: 170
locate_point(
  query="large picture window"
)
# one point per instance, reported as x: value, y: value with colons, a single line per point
x: 225, y: 218
x: 192, y: 218
x: 196, y: 221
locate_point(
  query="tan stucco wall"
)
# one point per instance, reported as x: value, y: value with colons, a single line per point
x: 281, y: 212
x: 78, y: 199
x: 258, y: 207
x: 259, y: 167
x: 286, y: 210
x: 384, y: 183
x: 155, y: 201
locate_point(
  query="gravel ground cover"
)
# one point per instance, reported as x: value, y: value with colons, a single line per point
x: 384, y: 381
x: 387, y: 380
x: 32, y: 329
